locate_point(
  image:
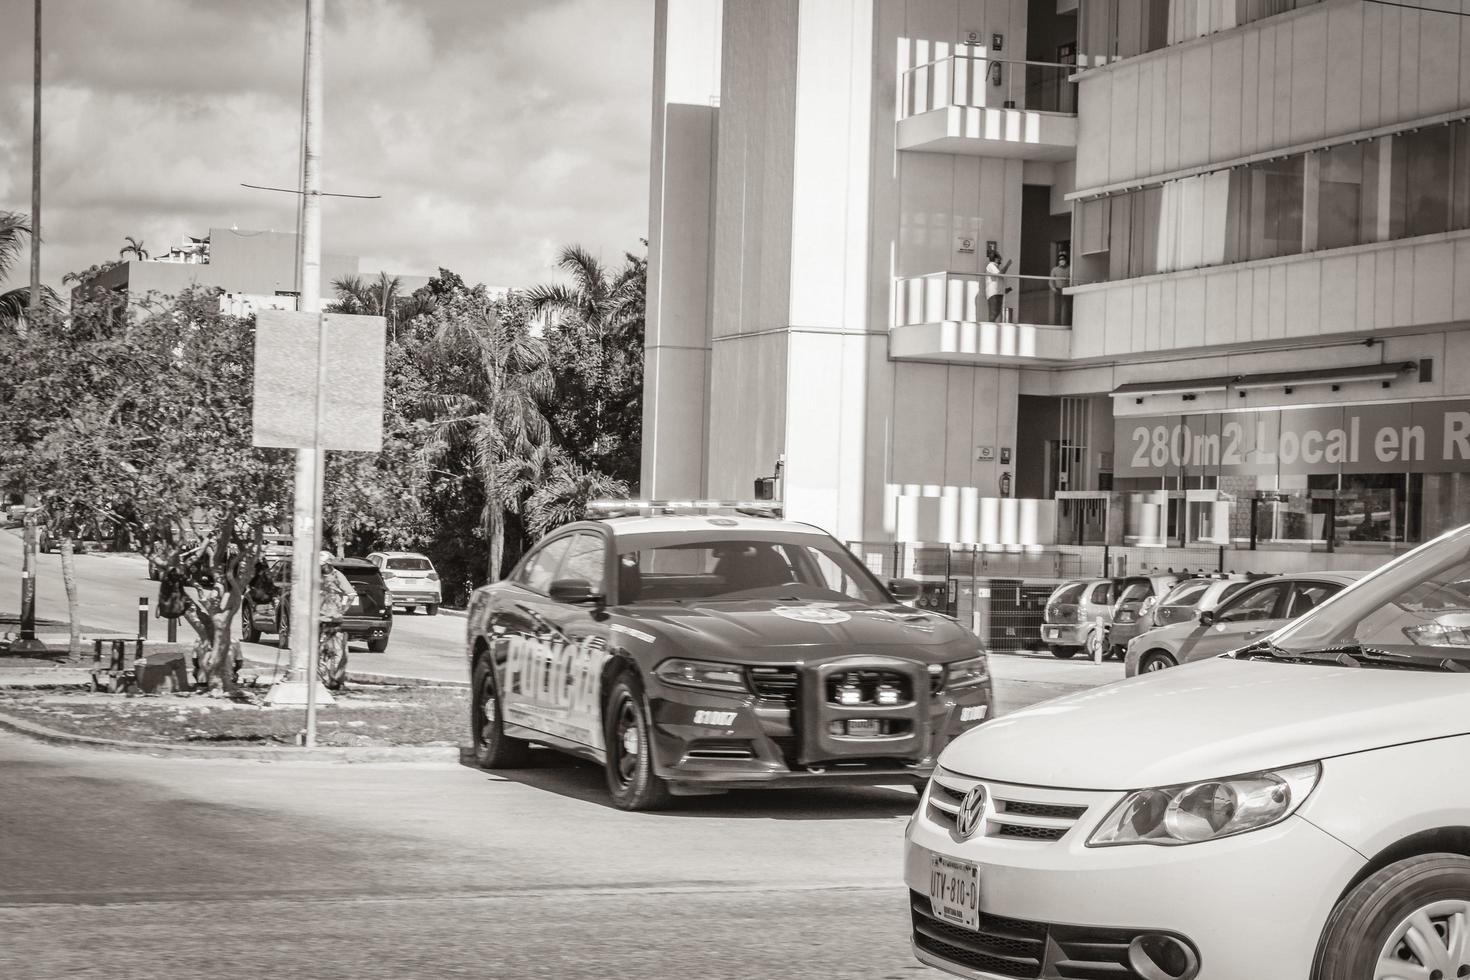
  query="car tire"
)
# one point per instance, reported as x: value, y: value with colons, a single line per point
x: 248, y: 632
x: 1156, y: 660
x: 630, y: 777
x: 1065, y: 653
x: 432, y: 609
x: 493, y: 748
x: 378, y: 645
x: 1372, y: 920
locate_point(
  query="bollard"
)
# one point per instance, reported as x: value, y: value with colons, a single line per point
x: 142, y: 617
x: 173, y: 631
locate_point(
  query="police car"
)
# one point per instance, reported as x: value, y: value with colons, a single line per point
x: 709, y: 646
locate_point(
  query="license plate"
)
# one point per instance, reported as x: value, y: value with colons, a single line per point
x: 954, y: 891
x: 1052, y: 633
x: 863, y: 727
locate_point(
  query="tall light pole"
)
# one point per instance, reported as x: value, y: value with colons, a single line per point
x: 35, y: 300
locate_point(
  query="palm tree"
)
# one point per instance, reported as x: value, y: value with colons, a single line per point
x: 14, y: 231
x: 134, y: 247
x: 606, y: 304
x: 491, y: 411
x: 382, y: 297
x: 564, y: 492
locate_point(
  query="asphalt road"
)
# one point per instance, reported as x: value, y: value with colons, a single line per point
x: 431, y: 647
x: 122, y: 867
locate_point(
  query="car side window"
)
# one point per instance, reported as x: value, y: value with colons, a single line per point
x: 1229, y: 591
x: 586, y: 559
x: 1101, y: 595
x: 1309, y: 595
x: 1257, y: 603
x: 540, y: 569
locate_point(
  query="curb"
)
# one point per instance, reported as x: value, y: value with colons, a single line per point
x: 284, y: 753
x: 372, y: 677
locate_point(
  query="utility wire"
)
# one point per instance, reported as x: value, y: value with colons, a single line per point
x: 1414, y: 6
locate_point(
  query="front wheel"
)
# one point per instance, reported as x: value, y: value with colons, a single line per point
x: 432, y: 609
x: 493, y: 748
x: 1412, y: 919
x: 248, y: 632
x: 1156, y: 660
x: 332, y: 661
x: 630, y: 777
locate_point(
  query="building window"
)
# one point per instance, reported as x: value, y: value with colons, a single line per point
x: 1114, y: 29
x: 1259, y: 211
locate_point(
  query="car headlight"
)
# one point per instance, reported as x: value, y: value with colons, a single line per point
x: 1195, y: 812
x: 705, y: 674
x: 966, y: 673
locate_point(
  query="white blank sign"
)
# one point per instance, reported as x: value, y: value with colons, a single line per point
x: 284, y: 415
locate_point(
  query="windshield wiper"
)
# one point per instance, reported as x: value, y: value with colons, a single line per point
x: 1355, y: 654
x: 1343, y: 656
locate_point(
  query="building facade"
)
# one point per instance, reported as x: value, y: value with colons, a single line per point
x: 1258, y: 361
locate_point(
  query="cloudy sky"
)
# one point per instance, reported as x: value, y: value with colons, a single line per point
x: 495, y: 130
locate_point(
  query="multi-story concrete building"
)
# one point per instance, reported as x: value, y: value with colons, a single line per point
x: 256, y: 269
x: 1266, y: 207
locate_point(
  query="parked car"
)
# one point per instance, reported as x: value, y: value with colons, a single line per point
x: 411, y: 578
x: 1193, y: 596
x: 1255, y: 610
x: 1072, y: 615
x: 1304, y: 823
x: 690, y: 654
x: 1130, y: 613
x: 369, y: 618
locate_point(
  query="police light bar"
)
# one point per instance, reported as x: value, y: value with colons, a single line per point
x: 646, y: 508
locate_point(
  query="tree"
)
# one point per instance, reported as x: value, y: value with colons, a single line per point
x: 133, y: 247
x: 15, y: 231
x: 595, y: 340
x: 149, y: 427
x: 484, y: 405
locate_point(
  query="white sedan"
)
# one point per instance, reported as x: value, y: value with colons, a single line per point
x: 1308, y: 819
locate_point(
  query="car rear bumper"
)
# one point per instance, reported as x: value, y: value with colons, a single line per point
x: 359, y: 628
x: 415, y: 597
x: 707, y: 740
x: 1064, y: 634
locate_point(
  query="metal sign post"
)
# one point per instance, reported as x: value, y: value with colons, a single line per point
x: 27, y: 642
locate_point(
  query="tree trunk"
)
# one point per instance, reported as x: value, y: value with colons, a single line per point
x: 495, y: 537
x: 69, y: 580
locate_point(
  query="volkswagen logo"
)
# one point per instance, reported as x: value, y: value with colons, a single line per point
x: 972, y: 808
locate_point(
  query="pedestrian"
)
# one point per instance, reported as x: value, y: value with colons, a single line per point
x: 995, y: 287
x: 1061, y: 303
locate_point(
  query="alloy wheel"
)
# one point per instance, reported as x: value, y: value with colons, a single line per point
x: 1432, y: 943
x: 628, y: 740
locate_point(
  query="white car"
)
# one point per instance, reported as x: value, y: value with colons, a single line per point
x: 1295, y: 810
x: 411, y: 579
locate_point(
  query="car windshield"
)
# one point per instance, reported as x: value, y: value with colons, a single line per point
x: 1136, y: 591
x: 1067, y: 593
x: 786, y: 567
x: 1413, y: 611
x: 408, y: 564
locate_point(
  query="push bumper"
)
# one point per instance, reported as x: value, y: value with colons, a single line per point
x: 710, y: 741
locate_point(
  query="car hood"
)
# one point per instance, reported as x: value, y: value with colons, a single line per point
x: 1219, y: 717
x: 795, y: 632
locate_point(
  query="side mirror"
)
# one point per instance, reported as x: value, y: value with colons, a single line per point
x: 574, y: 590
x: 1207, y: 617
x: 905, y: 589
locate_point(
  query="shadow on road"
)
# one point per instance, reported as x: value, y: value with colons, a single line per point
x: 576, y: 779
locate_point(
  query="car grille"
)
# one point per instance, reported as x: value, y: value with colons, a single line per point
x: 1011, y: 812
x: 1017, y: 948
x: 1007, y: 947
x: 867, y: 683
x: 775, y: 683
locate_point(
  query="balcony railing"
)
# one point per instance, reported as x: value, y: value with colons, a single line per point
x: 963, y: 297
x: 972, y: 80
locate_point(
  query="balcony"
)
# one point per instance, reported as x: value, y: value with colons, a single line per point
x: 967, y: 103
x: 946, y: 317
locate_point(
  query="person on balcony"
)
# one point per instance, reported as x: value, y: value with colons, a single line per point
x: 995, y: 287
x: 1061, y: 303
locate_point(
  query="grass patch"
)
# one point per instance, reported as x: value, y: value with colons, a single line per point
x: 361, y: 716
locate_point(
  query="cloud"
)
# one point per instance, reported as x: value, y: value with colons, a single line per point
x: 495, y: 130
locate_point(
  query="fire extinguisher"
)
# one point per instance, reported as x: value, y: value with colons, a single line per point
x: 1005, y: 484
